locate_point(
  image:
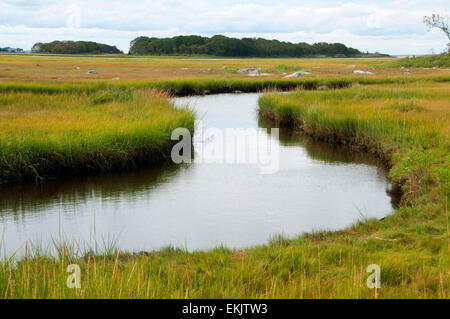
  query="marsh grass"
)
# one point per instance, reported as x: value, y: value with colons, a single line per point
x: 320, y: 265
x: 284, y: 68
x: 405, y: 124
x: 211, y: 86
x: 49, y: 135
x: 407, y: 106
x: 64, y: 69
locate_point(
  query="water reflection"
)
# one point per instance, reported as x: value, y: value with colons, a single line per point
x: 201, y: 206
x: 26, y: 199
x: 336, y: 154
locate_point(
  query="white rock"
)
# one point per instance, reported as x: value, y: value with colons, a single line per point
x: 352, y: 66
x: 249, y: 71
x: 294, y: 75
x: 78, y: 68
x: 297, y: 74
x: 361, y: 72
x: 254, y: 72
x: 115, y: 79
x: 91, y: 72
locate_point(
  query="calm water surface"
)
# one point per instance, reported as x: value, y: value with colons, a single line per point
x: 200, y: 206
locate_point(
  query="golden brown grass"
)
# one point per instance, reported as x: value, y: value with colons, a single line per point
x: 63, y: 69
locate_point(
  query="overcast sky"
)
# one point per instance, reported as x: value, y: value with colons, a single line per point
x: 393, y: 27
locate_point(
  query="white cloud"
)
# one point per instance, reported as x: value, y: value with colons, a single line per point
x: 386, y: 26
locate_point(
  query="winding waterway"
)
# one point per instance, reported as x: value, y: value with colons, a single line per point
x: 201, y: 205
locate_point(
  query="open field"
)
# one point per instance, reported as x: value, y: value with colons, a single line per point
x: 56, y: 119
x: 51, y: 69
x: 188, y: 76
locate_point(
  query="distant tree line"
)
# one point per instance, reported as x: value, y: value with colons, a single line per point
x: 74, y: 47
x: 220, y: 45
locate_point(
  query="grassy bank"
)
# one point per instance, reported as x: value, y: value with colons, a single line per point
x: 212, y: 86
x: 407, y: 125
x: 73, y: 132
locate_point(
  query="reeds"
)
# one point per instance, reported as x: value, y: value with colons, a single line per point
x: 408, y: 127
x: 45, y: 136
x: 210, y: 86
x: 321, y: 265
x: 393, y: 123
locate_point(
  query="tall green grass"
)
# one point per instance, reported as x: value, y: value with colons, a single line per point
x: 210, y: 86
x: 407, y: 126
x: 320, y: 265
x: 394, y: 123
x: 45, y: 136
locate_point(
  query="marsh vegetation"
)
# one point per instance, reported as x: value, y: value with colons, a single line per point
x: 404, y: 120
x: 46, y: 136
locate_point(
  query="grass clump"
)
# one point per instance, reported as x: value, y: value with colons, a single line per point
x: 121, y: 94
x: 45, y: 136
x: 407, y: 106
x: 284, y: 68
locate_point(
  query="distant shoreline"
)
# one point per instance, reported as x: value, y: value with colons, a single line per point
x: 187, y: 57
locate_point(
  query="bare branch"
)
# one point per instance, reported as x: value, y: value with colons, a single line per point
x: 438, y: 21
